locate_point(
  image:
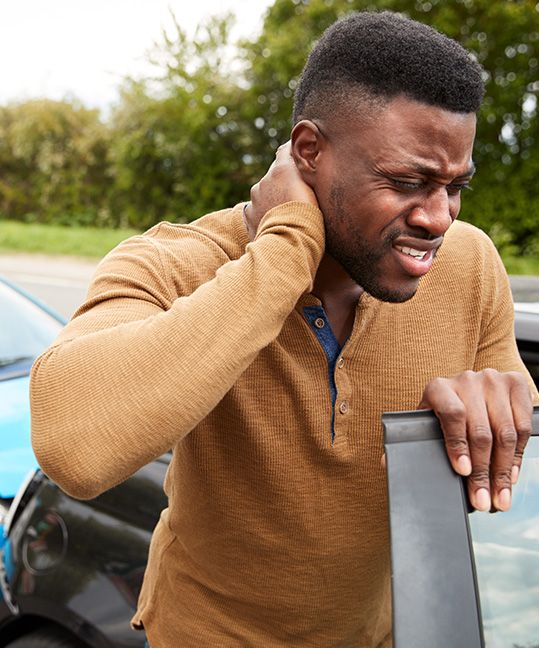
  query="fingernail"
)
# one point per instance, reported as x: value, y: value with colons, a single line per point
x: 464, y: 465
x: 504, y: 499
x: 515, y: 470
x: 482, y: 499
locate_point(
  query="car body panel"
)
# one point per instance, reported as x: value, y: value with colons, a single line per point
x: 527, y: 321
x: 22, y: 313
x: 102, y: 546
x: 435, y: 603
x: 16, y: 454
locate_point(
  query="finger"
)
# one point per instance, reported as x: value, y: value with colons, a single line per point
x: 479, y: 436
x: 254, y: 195
x: 449, y: 408
x: 283, y: 152
x: 383, y: 461
x: 464, y: 420
x: 504, y: 435
x: 287, y: 146
x: 522, y: 406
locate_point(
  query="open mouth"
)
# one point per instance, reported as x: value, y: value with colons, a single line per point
x: 416, y: 254
x: 414, y: 262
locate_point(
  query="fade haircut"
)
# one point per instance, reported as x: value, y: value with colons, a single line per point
x: 374, y: 57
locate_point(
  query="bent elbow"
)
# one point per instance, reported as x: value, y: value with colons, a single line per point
x: 71, y: 478
x: 58, y: 446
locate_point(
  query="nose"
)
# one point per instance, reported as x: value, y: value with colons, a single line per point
x: 434, y: 213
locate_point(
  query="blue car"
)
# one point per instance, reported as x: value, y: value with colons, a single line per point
x: 27, y: 327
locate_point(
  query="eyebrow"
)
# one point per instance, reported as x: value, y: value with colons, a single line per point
x: 425, y: 169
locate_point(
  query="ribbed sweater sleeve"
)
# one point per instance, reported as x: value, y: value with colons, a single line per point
x: 130, y: 376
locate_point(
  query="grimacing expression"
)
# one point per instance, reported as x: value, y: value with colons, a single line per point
x: 389, y: 189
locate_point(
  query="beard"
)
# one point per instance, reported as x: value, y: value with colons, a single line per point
x: 363, y: 266
x: 361, y: 260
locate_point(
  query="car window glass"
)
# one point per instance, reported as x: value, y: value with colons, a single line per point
x: 506, y: 548
x: 25, y: 329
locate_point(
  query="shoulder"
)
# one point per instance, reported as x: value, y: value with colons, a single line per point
x: 173, y: 259
x: 468, y: 239
x: 468, y: 252
x: 218, y: 233
x: 215, y: 238
x: 467, y: 270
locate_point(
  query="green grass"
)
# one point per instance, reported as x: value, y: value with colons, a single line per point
x: 94, y: 243
x: 91, y: 242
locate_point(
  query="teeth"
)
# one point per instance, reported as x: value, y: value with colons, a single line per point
x: 417, y: 254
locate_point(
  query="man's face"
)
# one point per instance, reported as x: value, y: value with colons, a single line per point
x: 389, y: 188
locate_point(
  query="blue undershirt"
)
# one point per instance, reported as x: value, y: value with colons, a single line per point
x: 319, y: 323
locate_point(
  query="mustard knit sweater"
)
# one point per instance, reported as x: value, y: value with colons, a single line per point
x: 194, y: 339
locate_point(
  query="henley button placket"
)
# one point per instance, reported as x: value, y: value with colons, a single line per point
x: 317, y: 320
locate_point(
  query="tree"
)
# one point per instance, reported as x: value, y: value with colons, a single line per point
x: 53, y: 162
x: 180, y: 147
x: 195, y: 136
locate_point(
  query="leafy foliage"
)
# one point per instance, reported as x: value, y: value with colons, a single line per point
x: 196, y: 135
x: 53, y: 162
x: 179, y: 141
x: 504, y: 36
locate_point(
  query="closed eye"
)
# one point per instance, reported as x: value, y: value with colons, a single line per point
x: 409, y: 186
x: 457, y: 187
x: 452, y: 189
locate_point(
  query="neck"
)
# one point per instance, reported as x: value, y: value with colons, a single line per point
x: 333, y: 286
x: 339, y: 295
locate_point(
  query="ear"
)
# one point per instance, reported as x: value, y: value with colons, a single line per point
x: 307, y: 147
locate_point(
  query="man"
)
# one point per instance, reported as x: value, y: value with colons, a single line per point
x: 262, y: 343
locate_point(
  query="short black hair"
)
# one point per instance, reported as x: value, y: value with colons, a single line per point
x: 383, y: 55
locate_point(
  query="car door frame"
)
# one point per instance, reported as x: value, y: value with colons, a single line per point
x: 435, y: 595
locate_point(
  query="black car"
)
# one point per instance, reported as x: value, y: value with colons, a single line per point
x: 71, y: 571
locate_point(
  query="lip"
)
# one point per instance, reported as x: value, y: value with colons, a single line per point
x: 419, y: 244
x: 413, y: 266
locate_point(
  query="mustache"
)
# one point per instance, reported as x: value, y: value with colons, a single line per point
x: 394, y: 232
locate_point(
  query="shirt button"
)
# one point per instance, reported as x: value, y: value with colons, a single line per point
x: 340, y: 363
x: 343, y: 407
x: 319, y: 322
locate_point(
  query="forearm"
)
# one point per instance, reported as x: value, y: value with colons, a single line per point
x: 108, y: 401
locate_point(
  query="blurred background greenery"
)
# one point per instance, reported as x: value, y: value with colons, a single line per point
x: 196, y: 134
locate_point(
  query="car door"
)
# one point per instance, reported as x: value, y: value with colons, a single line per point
x: 458, y: 578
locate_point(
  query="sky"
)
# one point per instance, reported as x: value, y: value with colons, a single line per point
x: 83, y: 48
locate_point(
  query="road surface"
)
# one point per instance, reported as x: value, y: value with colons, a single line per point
x: 61, y: 282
